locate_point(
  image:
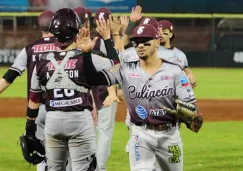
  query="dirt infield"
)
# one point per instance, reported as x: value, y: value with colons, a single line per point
x: 213, y: 110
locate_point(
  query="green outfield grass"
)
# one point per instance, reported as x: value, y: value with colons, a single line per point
x: 214, y: 83
x: 218, y: 147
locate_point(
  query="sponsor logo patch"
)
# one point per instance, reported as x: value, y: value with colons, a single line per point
x: 141, y: 112
x: 64, y: 103
x: 133, y: 75
x: 44, y: 48
x: 184, y: 81
x: 157, y: 112
x: 166, y: 77
x: 71, y: 64
x: 136, y: 148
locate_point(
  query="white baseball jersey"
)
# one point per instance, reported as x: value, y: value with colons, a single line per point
x: 180, y: 56
x: 146, y: 95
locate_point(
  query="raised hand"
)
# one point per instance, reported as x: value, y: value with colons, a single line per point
x: 103, y: 28
x: 136, y: 14
x: 124, y: 20
x: 115, y: 25
x: 84, y: 42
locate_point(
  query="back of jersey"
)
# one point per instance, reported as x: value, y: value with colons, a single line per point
x: 64, y: 98
x: 33, y: 52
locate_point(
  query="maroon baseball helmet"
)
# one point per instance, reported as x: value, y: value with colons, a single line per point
x: 150, y: 20
x: 82, y: 13
x: 102, y: 13
x: 44, y: 20
x: 145, y: 31
x: 165, y: 24
x: 89, y: 11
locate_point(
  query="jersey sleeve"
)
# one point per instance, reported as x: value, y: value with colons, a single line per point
x: 102, y: 47
x: 35, y: 88
x: 101, y: 63
x: 183, y: 88
x: 183, y: 59
x: 114, y: 75
x: 18, y: 67
x: 128, y: 55
x: 20, y: 63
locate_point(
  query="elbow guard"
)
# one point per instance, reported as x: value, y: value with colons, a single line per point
x: 11, y: 75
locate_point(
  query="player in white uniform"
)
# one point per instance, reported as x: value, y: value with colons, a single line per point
x: 149, y: 84
x: 167, y: 36
x: 130, y: 55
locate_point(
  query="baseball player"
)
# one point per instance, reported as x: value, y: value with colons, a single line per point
x: 130, y: 54
x: 69, y: 124
x: 167, y: 36
x: 27, y: 59
x: 150, y: 85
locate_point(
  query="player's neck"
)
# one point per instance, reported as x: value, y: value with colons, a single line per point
x: 167, y: 45
x: 70, y: 47
x: 46, y: 34
x: 152, y: 64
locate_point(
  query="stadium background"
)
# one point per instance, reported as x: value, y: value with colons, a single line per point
x: 211, y: 35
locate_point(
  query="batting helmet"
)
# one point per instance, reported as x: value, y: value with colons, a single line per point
x: 65, y: 26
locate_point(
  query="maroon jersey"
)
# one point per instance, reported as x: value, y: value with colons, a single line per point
x: 28, y: 57
x: 65, y: 99
x: 99, y: 93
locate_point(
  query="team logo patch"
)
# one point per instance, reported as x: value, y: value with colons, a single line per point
x: 166, y: 77
x: 141, y: 112
x: 64, y: 103
x: 133, y: 75
x: 184, y: 81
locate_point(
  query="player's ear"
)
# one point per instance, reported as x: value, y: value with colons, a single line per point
x: 170, y: 34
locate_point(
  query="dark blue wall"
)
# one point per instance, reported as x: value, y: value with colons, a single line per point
x: 192, y: 6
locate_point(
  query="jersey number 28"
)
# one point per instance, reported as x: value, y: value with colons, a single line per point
x: 60, y: 93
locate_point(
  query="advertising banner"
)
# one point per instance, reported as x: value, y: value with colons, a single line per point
x: 113, y: 5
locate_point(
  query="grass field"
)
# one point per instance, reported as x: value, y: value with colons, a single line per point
x: 218, y: 147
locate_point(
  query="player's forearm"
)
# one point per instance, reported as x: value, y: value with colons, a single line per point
x: 128, y: 32
x: 125, y: 40
x: 111, y: 51
x: 118, y: 42
x: 93, y: 77
x: 94, y: 105
x: 32, y: 110
x: 3, y: 85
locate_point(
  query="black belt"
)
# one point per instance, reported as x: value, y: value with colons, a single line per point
x: 157, y: 127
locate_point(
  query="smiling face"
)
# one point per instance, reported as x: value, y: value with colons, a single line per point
x: 146, y: 47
